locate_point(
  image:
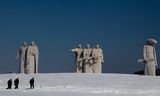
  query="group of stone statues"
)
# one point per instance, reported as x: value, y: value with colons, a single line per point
x: 28, y: 56
x: 149, y: 57
x: 88, y: 60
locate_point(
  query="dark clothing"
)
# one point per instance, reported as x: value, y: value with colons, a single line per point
x: 9, y: 83
x: 31, y: 82
x: 16, y: 83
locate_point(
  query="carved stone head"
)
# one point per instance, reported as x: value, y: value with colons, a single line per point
x: 151, y: 41
x: 33, y: 43
x: 88, y: 46
x: 25, y: 44
x: 79, y: 46
x: 97, y: 46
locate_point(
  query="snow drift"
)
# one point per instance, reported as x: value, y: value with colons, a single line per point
x: 72, y: 84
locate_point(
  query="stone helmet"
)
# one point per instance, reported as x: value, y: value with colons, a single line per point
x: 151, y: 41
x: 25, y: 43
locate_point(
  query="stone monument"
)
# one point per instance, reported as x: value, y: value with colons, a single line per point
x: 78, y: 58
x: 21, y: 55
x: 87, y: 59
x: 32, y: 59
x: 28, y: 56
x: 97, y: 56
x: 150, y: 59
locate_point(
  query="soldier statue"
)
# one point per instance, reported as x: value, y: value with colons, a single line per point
x: 78, y: 54
x: 21, y: 55
x: 87, y: 59
x: 150, y: 59
x: 97, y: 56
x: 32, y: 58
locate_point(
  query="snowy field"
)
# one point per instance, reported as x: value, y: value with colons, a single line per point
x: 70, y: 84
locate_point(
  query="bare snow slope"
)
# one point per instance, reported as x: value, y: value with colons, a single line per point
x: 70, y: 84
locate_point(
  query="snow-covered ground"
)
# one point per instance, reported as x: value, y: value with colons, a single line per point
x: 72, y: 84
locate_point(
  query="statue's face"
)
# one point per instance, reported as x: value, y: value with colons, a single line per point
x: 25, y: 43
x: 151, y: 43
x: 79, y: 46
x: 88, y: 46
x: 154, y: 44
x: 97, y: 46
x: 33, y: 43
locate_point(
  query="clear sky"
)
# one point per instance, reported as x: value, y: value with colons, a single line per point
x: 119, y: 26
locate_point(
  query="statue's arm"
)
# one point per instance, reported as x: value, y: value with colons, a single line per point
x: 18, y: 54
x: 102, y: 56
x: 74, y: 50
x: 144, y: 53
x: 155, y: 57
x: 37, y: 51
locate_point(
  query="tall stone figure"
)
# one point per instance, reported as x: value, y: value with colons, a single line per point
x: 87, y: 59
x: 21, y: 55
x: 32, y: 59
x: 97, y: 56
x: 79, y: 62
x: 150, y: 59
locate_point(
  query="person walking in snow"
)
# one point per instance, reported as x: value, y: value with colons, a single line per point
x: 9, y: 83
x: 16, y: 83
x: 31, y: 82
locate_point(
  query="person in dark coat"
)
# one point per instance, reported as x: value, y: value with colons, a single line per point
x: 9, y: 83
x: 16, y: 83
x: 31, y: 82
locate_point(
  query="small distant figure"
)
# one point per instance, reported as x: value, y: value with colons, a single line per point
x: 16, y: 83
x: 31, y: 82
x: 9, y: 83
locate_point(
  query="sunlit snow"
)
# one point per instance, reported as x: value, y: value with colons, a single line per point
x: 72, y: 84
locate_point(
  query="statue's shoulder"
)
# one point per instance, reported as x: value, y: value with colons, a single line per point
x: 22, y: 47
x: 146, y: 45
